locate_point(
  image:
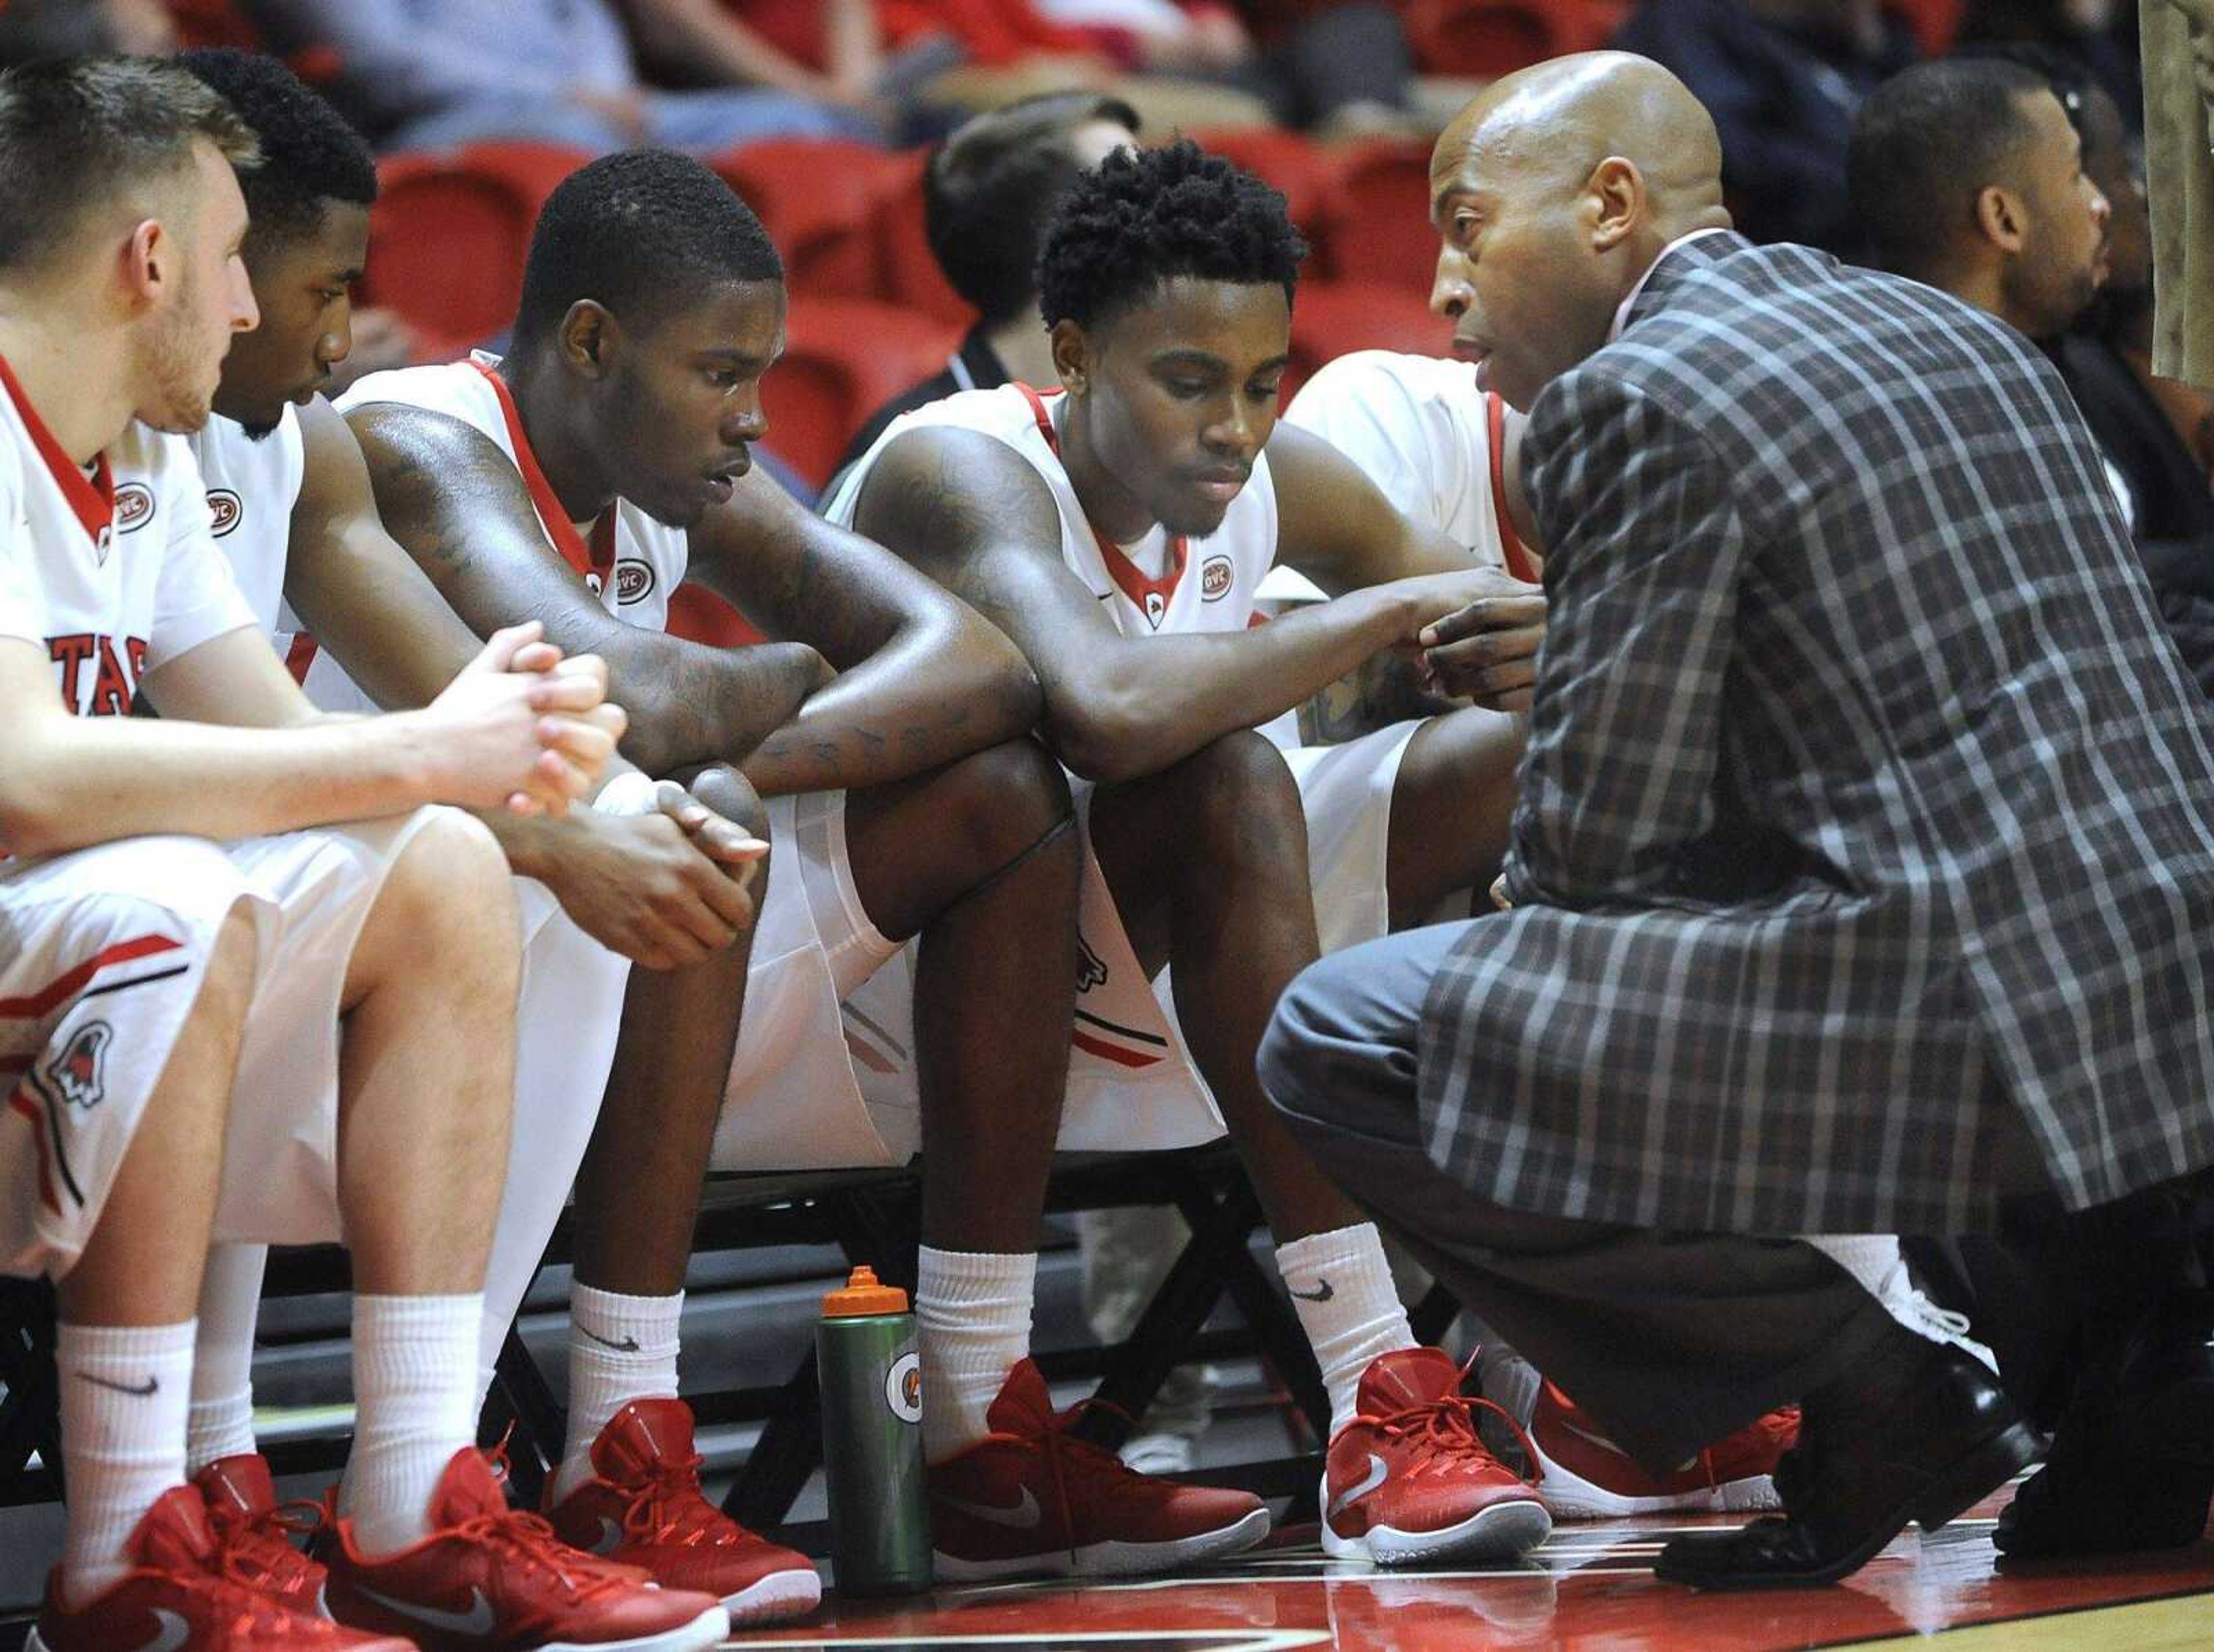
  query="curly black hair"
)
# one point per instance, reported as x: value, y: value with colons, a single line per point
x: 643, y: 234
x: 310, y: 155
x: 1145, y: 217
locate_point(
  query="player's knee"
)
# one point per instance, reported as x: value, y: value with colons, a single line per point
x: 732, y: 795
x: 232, y: 960
x: 1242, y: 804
x: 1000, y: 801
x: 450, y: 886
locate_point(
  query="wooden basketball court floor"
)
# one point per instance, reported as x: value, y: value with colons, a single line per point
x: 1589, y: 1589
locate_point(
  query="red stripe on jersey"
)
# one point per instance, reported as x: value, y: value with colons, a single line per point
x: 22, y: 1102
x: 93, y: 498
x: 1519, y: 562
x: 1125, y: 573
x: 1114, y: 1052
x: 35, y: 1005
x: 300, y: 656
x: 595, y: 562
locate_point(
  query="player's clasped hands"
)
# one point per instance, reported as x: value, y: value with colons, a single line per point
x: 1476, y: 636
x: 524, y: 727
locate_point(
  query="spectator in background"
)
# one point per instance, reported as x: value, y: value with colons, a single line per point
x: 31, y: 30
x: 2099, y: 36
x: 1781, y: 79
x: 1339, y: 70
x: 431, y: 74
x: 988, y: 193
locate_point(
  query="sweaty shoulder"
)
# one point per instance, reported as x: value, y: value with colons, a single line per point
x: 1002, y: 416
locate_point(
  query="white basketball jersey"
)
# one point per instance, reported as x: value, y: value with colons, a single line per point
x: 1428, y: 437
x: 1162, y: 585
x: 252, y: 486
x: 113, y: 572
x: 631, y: 562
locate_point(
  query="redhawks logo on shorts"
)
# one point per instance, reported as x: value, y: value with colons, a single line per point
x: 1214, y: 576
x: 79, y: 1073
x: 224, y: 506
x: 634, y: 582
x: 134, y: 506
x: 1090, y: 971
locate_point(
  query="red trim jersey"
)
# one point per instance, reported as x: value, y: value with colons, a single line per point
x: 1159, y: 585
x: 1422, y: 430
x: 111, y: 567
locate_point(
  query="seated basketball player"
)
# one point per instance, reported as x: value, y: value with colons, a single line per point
x: 295, y: 518
x: 343, y: 990
x: 1117, y: 533
x: 906, y: 796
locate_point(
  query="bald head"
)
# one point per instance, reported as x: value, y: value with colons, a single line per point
x: 1554, y: 191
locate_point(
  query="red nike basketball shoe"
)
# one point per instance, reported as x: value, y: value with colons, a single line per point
x: 180, y: 1597
x: 491, y: 1577
x: 644, y: 1508
x: 1410, y: 1480
x: 1587, y: 1477
x: 1032, y: 1499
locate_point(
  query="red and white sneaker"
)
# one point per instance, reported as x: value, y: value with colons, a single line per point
x: 489, y: 1576
x: 1410, y: 1480
x: 1030, y: 1500
x: 1585, y: 1476
x: 647, y: 1508
x: 180, y: 1597
x: 255, y: 1532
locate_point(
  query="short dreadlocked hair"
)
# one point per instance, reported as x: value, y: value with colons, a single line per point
x: 310, y: 155
x: 1143, y: 217
x: 643, y: 232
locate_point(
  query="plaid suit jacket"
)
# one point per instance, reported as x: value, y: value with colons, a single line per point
x: 1867, y: 813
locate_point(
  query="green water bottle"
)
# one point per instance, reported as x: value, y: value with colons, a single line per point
x: 872, y: 1438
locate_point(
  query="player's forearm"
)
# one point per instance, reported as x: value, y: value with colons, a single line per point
x: 99, y: 779
x: 1154, y: 701
x: 691, y: 703
x: 924, y: 700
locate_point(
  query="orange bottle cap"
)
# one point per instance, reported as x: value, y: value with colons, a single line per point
x: 861, y: 1295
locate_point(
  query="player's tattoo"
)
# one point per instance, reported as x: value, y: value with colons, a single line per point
x: 1384, y: 691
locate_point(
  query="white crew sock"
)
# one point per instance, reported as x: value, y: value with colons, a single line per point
x: 621, y: 1349
x: 1341, y: 1285
x: 414, y: 1375
x: 1874, y: 1260
x: 221, y: 1422
x: 972, y: 1314
x: 124, y: 1393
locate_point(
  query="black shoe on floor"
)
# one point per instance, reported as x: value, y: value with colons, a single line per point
x: 1922, y: 1434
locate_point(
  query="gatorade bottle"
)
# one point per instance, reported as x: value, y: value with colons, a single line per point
x: 872, y: 1438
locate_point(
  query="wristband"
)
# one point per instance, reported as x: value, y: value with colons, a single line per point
x: 630, y: 793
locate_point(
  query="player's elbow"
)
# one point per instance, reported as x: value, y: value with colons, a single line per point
x: 1007, y: 687
x: 1099, y: 741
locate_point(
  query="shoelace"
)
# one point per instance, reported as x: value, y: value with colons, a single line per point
x: 531, y: 1539
x: 257, y: 1549
x: 1907, y: 1304
x: 1446, y: 1427
x: 669, y: 1505
x: 245, y: 1611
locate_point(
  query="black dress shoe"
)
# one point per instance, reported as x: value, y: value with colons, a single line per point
x: 2164, y: 1394
x: 1920, y: 1436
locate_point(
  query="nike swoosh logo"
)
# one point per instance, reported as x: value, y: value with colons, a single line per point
x: 627, y: 1346
x: 152, y: 1386
x: 611, y: 1537
x: 1321, y: 1293
x: 1023, y: 1517
x: 477, y: 1620
x: 176, y: 1632
x: 1375, y: 1477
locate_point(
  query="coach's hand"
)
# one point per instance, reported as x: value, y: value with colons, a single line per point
x: 520, y: 726
x: 1477, y: 635
x: 667, y: 889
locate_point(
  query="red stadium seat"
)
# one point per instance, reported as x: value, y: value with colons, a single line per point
x: 1380, y: 229
x: 1332, y: 319
x: 1484, y: 39
x: 1307, y: 175
x: 213, y: 22
x: 911, y: 278
x: 818, y: 198
x: 844, y: 358
x: 450, y: 233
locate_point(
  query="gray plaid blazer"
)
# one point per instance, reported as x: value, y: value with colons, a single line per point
x: 1868, y: 812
